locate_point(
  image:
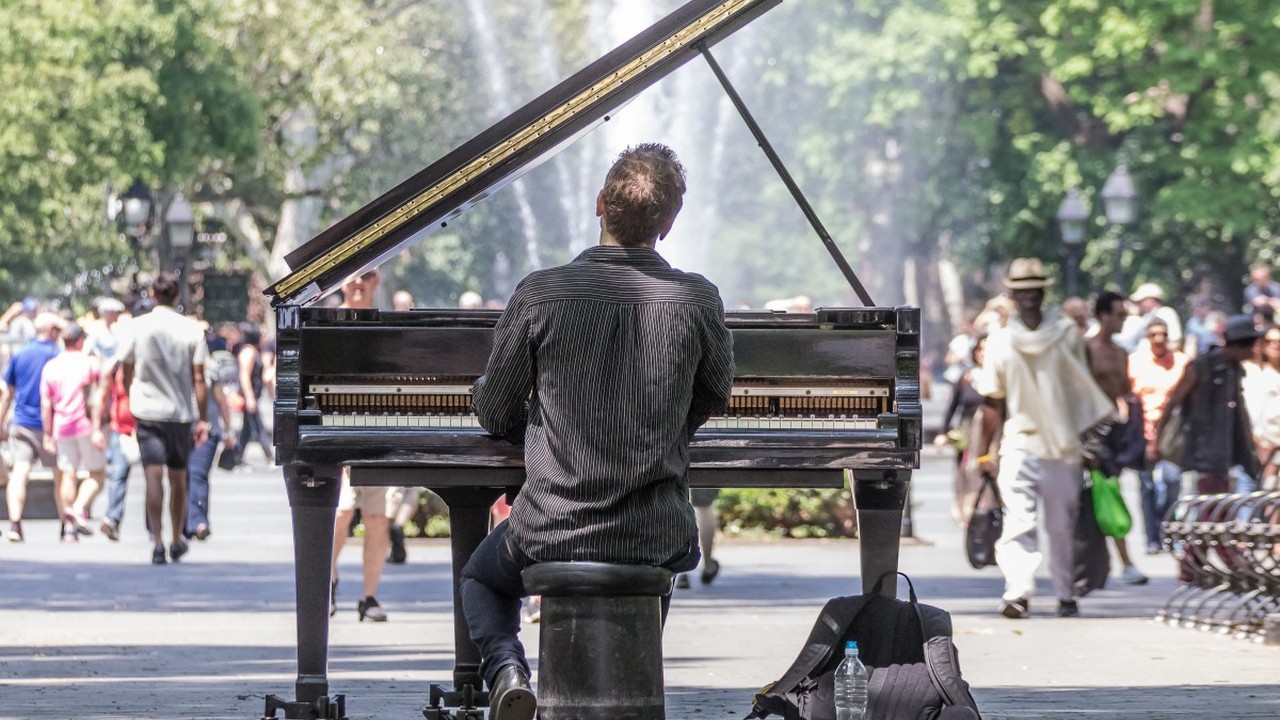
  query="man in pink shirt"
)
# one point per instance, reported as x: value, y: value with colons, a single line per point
x: 64, y: 386
x: 1154, y: 372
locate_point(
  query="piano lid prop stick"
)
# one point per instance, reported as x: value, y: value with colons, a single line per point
x: 781, y: 169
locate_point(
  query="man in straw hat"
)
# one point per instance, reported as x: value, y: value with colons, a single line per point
x: 1149, y: 299
x: 1035, y: 377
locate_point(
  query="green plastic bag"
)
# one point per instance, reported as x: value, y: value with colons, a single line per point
x: 1113, y: 516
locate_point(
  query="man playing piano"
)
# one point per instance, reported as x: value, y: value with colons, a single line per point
x: 604, y: 367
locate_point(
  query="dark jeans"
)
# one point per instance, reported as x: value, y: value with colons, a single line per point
x: 198, y: 466
x: 491, y: 589
x: 117, y: 479
x: 1161, y: 487
x: 252, y: 430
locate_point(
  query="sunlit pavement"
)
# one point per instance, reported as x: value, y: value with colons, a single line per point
x: 94, y: 630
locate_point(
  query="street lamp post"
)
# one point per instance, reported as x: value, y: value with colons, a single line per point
x: 1071, y: 218
x: 133, y: 213
x: 180, y: 224
x: 1120, y: 203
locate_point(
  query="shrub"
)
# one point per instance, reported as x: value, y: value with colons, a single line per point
x: 788, y: 512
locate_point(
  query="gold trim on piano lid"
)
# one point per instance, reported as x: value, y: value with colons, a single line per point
x: 530, y: 133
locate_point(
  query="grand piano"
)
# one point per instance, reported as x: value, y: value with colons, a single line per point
x: 817, y: 396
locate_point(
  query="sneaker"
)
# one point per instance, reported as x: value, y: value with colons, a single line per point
x: 682, y: 582
x: 69, y: 534
x: 157, y: 556
x: 1068, y: 608
x: 15, y: 531
x: 110, y: 529
x: 1016, y: 609
x: 398, y: 554
x: 1133, y: 576
x: 369, y: 608
x: 1153, y: 548
x: 80, y: 522
x: 710, y: 569
x: 177, y: 550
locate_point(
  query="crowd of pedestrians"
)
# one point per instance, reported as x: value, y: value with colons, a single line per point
x: 1119, y: 385
x: 124, y: 385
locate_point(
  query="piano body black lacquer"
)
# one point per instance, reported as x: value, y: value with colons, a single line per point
x: 386, y: 394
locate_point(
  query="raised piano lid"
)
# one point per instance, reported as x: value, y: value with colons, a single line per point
x: 518, y: 143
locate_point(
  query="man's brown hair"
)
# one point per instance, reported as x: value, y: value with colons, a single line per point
x: 642, y: 193
x: 165, y: 288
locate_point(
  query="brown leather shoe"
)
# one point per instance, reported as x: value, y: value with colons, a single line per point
x: 511, y: 698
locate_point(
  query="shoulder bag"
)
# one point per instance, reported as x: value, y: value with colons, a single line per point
x: 1172, y: 438
x: 985, y: 526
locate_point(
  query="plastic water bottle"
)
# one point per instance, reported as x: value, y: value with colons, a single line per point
x: 851, y: 685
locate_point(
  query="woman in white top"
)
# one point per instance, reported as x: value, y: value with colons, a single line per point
x: 1261, y: 390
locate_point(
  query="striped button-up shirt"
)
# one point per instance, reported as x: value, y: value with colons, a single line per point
x: 607, y: 366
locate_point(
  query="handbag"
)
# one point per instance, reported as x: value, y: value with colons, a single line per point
x: 1172, y: 438
x: 1092, y: 561
x: 1112, y: 514
x: 985, y: 526
x: 229, y: 458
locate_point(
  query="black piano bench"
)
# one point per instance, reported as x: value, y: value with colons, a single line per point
x: 600, y: 642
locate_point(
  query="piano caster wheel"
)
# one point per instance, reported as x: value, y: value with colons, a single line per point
x: 324, y: 708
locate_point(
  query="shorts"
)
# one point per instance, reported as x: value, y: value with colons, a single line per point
x: 164, y: 443
x: 28, y: 446
x: 372, y: 500
x: 78, y: 453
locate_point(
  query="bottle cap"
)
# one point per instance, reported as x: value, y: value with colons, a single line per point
x: 851, y: 645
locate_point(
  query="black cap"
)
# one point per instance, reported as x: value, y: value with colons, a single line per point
x: 1241, y: 327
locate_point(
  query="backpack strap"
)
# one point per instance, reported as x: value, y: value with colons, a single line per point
x: 834, y: 620
x: 943, y: 662
x: 911, y: 589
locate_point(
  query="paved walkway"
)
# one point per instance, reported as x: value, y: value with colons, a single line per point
x: 93, y: 631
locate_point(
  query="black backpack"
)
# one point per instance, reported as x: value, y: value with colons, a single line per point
x: 913, y: 667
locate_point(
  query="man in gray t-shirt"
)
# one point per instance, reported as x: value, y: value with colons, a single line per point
x: 163, y: 357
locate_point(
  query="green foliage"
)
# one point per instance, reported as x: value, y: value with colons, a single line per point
x: 920, y: 130
x: 788, y: 512
x: 1178, y: 90
x: 98, y: 92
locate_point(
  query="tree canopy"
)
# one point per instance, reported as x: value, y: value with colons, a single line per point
x: 100, y: 93
x: 935, y: 138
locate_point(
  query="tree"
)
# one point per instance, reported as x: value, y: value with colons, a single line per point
x: 109, y: 91
x: 1184, y: 91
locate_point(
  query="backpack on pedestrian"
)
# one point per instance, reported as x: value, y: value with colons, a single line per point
x: 906, y: 646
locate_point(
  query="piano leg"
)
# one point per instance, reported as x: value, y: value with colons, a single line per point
x: 313, y: 500
x: 880, y: 496
x: 468, y: 526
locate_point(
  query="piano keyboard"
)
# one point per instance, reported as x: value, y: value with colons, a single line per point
x: 716, y: 423
x: 802, y: 406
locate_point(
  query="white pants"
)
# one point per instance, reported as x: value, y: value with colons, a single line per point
x: 1028, y: 486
